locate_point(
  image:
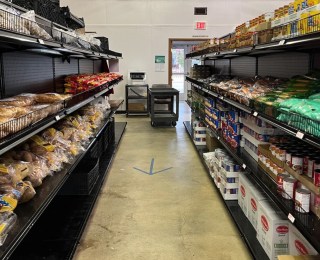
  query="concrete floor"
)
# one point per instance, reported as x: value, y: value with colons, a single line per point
x: 175, y: 214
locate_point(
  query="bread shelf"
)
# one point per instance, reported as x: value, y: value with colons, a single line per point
x: 29, y: 213
x: 10, y: 142
x: 272, y: 121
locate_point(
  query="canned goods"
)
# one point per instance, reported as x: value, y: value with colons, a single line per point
x: 273, y: 149
x: 297, y: 163
x: 280, y: 178
x: 310, y: 167
x: 288, y: 158
x: 289, y: 185
x: 316, y: 177
x: 282, y: 153
x: 305, y: 164
x: 302, y: 200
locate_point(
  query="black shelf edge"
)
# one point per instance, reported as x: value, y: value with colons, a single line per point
x: 244, y: 226
x: 315, y: 141
x: 137, y: 97
x: 30, y: 212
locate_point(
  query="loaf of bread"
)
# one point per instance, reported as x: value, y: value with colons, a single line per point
x: 51, y: 97
x: 18, y: 101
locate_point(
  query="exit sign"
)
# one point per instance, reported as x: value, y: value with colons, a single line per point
x: 201, y: 25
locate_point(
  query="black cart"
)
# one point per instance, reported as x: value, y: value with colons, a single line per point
x: 167, y: 96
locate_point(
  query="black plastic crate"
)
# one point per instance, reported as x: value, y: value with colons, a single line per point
x: 104, y: 43
x: 82, y: 179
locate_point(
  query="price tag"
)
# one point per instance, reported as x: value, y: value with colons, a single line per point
x: 41, y: 41
x: 244, y: 166
x: 282, y: 42
x: 221, y: 97
x: 255, y: 113
x: 235, y: 50
x: 57, y: 118
x: 218, y: 137
x: 300, y: 135
x: 291, y: 218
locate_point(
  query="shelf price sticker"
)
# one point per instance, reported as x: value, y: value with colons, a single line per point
x: 41, y: 41
x: 58, y: 118
x: 235, y: 50
x: 255, y: 113
x: 282, y: 42
x: 218, y: 137
x: 291, y: 218
x: 300, y: 135
x: 244, y: 166
x: 221, y: 97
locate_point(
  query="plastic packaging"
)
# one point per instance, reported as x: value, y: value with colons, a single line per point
x: 7, y: 222
x: 30, y: 24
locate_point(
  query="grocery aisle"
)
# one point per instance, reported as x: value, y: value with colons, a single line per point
x: 175, y: 214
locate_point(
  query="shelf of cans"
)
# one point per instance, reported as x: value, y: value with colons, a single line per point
x: 273, y: 230
x: 244, y: 136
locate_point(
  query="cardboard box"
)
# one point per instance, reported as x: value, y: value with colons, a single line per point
x: 267, y: 170
x: 263, y: 26
x: 290, y: 257
x: 298, y: 244
x: 254, y: 196
x: 272, y: 230
x: 212, y: 142
x: 244, y: 186
x: 136, y: 107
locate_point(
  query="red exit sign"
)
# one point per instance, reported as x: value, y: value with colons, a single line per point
x: 201, y: 25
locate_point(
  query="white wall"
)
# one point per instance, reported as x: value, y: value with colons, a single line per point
x: 140, y: 29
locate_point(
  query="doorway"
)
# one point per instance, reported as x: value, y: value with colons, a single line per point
x: 179, y: 67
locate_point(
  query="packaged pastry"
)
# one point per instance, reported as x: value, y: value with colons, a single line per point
x: 29, y: 192
x: 8, y: 111
x: 18, y: 101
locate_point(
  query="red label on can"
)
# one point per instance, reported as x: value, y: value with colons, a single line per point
x: 301, y: 248
x: 243, y: 191
x: 264, y: 223
x: 282, y: 230
x: 317, y: 178
x: 254, y: 205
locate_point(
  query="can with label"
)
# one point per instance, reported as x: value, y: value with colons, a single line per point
x: 302, y: 200
x: 310, y: 167
x: 280, y: 178
x: 316, y: 177
x: 297, y: 162
x: 273, y: 149
x: 282, y: 153
x: 289, y: 186
x: 288, y: 158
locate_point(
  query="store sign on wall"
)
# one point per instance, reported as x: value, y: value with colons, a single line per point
x: 200, y: 25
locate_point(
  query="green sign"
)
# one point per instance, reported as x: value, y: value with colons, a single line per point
x: 159, y: 59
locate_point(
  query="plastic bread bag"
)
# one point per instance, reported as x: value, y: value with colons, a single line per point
x: 29, y: 192
x: 8, y: 175
x: 31, y: 25
x: 54, y: 162
x: 8, y: 202
x: 40, y: 171
x: 7, y: 222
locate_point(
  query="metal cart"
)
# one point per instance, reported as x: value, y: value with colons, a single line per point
x: 162, y: 94
x: 137, y: 100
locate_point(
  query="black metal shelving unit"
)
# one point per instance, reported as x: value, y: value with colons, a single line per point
x: 29, y: 213
x: 303, y: 42
x: 251, y: 61
x: 272, y: 121
x: 308, y: 224
x: 137, y: 95
x: 60, y: 239
x: 244, y: 226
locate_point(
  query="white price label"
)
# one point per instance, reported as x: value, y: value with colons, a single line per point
x: 41, y: 41
x: 57, y: 118
x: 291, y: 218
x: 218, y: 137
x: 282, y: 42
x: 244, y: 166
x: 255, y: 113
x: 235, y: 50
x: 221, y: 97
x: 300, y: 135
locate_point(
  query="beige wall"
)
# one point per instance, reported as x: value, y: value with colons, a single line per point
x: 140, y: 28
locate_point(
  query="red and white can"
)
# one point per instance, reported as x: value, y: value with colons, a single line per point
x: 316, y: 177
x: 289, y: 186
x: 280, y: 179
x: 297, y: 163
x: 302, y: 200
